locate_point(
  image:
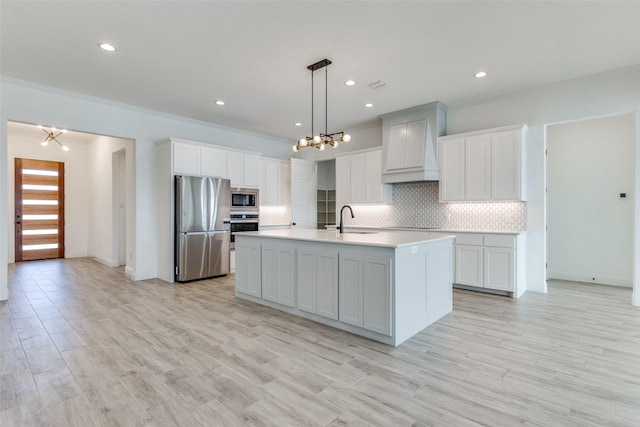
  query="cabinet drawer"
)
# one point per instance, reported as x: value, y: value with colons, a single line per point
x: 500, y: 241
x: 469, y: 239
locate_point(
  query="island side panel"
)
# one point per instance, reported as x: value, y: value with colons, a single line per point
x: 423, y: 286
x: 439, y: 300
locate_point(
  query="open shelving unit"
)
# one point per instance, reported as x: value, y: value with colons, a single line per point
x: 326, y: 208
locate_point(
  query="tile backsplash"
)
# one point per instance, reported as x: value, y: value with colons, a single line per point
x: 275, y: 215
x: 416, y: 205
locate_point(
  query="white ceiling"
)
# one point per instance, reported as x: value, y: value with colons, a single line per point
x: 178, y: 57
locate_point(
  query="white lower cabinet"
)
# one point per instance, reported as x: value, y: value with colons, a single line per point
x: 377, y: 294
x: 469, y: 261
x: 500, y: 268
x: 278, y: 273
x: 317, y: 284
x: 351, y: 285
x: 365, y: 292
x: 248, y: 271
x: 491, y: 261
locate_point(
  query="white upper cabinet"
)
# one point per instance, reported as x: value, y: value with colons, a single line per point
x: 486, y: 165
x: 213, y: 162
x: 452, y: 170
x: 477, y: 178
x: 186, y: 159
x: 242, y: 169
x: 274, y: 182
x: 507, y: 165
x: 359, y: 178
x: 409, y: 139
x: 343, y: 179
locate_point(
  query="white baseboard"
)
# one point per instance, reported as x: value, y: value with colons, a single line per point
x: 107, y: 262
x: 601, y: 280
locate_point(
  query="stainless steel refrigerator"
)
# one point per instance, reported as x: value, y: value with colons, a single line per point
x: 202, y: 227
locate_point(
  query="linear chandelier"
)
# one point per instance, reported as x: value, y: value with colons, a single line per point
x: 52, y: 135
x: 322, y: 139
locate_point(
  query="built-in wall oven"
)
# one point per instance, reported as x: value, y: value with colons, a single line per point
x: 242, y: 221
x: 245, y: 211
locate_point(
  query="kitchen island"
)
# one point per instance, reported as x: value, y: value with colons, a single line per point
x: 386, y: 286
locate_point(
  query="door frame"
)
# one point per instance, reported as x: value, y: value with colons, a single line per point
x: 18, y: 212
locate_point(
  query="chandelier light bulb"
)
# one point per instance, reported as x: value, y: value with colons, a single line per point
x: 44, y: 143
x: 334, y: 144
x: 317, y: 138
x: 346, y: 138
x: 320, y: 146
x: 295, y: 148
x: 65, y: 148
x: 302, y: 142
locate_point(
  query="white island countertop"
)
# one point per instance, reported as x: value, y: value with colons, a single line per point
x: 384, y: 239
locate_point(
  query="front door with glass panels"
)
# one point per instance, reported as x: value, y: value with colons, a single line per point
x: 39, y: 209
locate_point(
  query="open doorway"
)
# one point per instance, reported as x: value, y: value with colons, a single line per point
x: 590, y: 207
x: 98, y: 190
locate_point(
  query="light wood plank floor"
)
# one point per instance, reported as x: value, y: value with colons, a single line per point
x: 82, y: 346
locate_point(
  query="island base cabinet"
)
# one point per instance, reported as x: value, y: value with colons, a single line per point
x: 327, y: 285
x: 278, y: 274
x: 351, y: 289
x: 387, y: 294
x: 248, y: 269
x: 365, y: 292
x: 377, y: 295
x: 317, y: 282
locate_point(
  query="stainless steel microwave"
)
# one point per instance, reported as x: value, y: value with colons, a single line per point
x: 244, y: 199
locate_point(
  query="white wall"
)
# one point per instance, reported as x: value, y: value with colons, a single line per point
x: 102, y: 235
x: 76, y: 189
x: 604, y: 94
x: 590, y: 228
x: 27, y: 103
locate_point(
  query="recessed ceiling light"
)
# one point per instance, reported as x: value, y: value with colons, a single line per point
x: 297, y: 124
x: 107, y: 46
x: 219, y: 102
x: 480, y: 74
x: 368, y: 105
x: 349, y: 82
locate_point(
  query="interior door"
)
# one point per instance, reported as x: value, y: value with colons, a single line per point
x: 39, y: 209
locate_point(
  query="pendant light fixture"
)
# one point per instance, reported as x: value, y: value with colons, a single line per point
x: 52, y: 135
x: 320, y: 140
